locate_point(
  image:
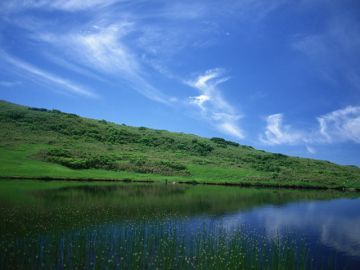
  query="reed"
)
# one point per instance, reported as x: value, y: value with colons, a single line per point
x: 154, y: 245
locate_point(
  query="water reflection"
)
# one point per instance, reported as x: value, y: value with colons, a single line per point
x: 110, y: 224
x: 329, y: 227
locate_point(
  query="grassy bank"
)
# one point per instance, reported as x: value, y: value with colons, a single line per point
x: 49, y: 144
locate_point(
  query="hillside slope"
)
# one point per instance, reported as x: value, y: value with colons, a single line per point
x: 49, y: 143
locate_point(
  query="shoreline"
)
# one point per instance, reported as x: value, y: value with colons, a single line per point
x: 190, y: 182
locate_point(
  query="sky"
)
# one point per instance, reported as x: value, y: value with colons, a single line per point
x: 279, y: 75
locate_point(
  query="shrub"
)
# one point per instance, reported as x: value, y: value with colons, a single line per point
x: 58, y: 152
x: 223, y: 142
x: 173, y: 165
x: 37, y: 109
x: 278, y: 155
x: 121, y: 136
x: 201, y: 147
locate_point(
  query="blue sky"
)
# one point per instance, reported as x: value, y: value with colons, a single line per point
x: 280, y: 75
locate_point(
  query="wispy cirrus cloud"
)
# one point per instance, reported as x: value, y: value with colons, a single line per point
x: 277, y: 133
x: 100, y: 48
x: 342, y: 125
x: 69, y: 65
x: 32, y: 72
x: 103, y: 49
x: 213, y: 107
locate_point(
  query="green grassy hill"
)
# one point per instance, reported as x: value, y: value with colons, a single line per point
x: 49, y: 143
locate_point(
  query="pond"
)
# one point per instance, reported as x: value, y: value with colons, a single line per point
x: 94, y: 225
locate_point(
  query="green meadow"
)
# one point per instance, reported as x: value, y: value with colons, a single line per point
x: 41, y: 143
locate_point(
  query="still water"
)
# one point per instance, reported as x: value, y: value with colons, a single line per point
x: 62, y: 225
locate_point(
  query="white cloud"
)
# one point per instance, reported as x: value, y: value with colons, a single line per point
x: 47, y: 77
x: 213, y: 106
x: 231, y: 129
x: 102, y: 48
x: 277, y: 133
x: 338, y: 126
x: 310, y: 149
x: 341, y: 125
x: 199, y: 101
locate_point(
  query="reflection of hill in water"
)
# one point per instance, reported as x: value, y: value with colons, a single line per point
x: 98, y: 217
x: 137, y: 190
x: 71, y: 204
x: 330, y: 229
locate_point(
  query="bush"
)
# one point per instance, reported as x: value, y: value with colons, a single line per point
x: 37, y: 109
x: 173, y: 165
x: 79, y: 161
x: 58, y: 152
x: 201, y: 147
x: 120, y: 136
x: 223, y: 142
x: 278, y: 155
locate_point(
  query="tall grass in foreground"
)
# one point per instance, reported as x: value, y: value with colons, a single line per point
x: 160, y: 245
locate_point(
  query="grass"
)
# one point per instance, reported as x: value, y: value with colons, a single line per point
x: 18, y: 162
x: 48, y: 143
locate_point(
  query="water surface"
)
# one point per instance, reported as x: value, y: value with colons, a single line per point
x: 105, y: 225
